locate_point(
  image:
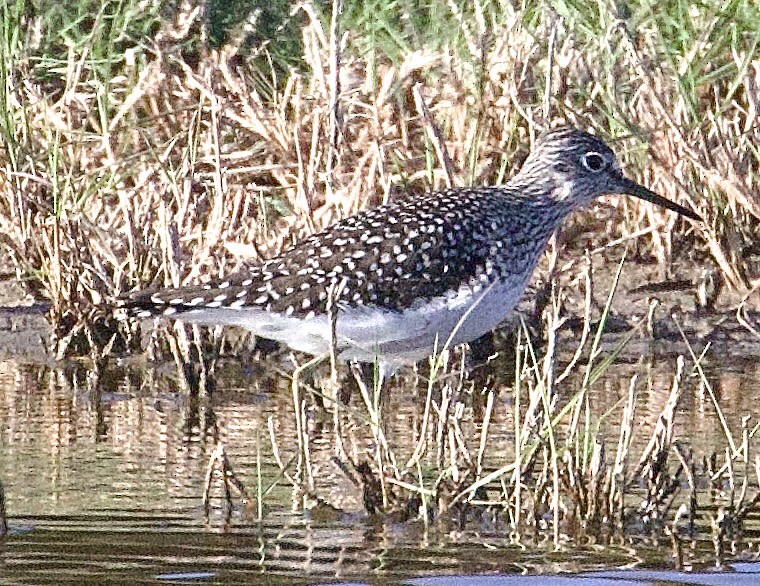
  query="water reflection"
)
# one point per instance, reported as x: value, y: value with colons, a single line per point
x: 104, y: 475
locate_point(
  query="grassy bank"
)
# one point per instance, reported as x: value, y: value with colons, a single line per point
x: 150, y: 143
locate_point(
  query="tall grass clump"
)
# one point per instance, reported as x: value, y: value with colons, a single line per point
x: 547, y: 458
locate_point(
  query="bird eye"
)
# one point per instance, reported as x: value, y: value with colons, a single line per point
x: 593, y: 161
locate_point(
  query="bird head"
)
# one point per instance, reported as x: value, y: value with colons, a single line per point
x: 579, y: 167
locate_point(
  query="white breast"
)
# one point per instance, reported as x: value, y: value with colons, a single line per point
x: 410, y: 336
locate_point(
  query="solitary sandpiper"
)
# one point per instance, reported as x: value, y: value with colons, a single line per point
x: 394, y: 282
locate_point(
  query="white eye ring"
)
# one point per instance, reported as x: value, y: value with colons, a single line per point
x: 594, y: 162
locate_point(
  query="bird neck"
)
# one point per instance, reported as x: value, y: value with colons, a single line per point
x: 545, y: 193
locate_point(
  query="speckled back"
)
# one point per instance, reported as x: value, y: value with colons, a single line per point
x: 391, y: 257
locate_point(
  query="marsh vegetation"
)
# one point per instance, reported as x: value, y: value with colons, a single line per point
x: 151, y: 143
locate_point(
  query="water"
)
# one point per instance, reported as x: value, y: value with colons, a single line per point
x: 104, y: 478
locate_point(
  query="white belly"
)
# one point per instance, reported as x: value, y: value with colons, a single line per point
x: 414, y: 334
x: 395, y: 338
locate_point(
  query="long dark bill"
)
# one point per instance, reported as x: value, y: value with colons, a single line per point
x: 632, y: 188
